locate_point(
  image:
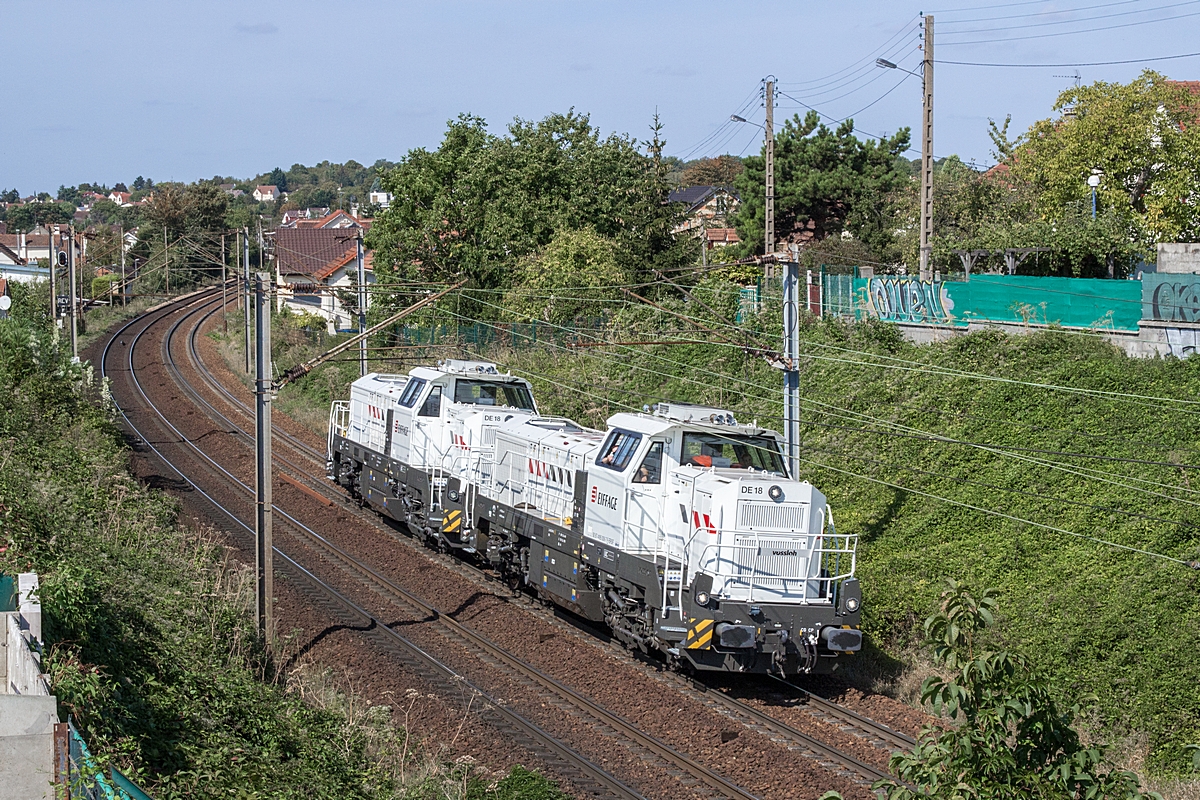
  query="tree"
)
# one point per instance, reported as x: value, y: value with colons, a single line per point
x: 1011, y: 740
x: 68, y: 194
x: 1144, y: 138
x: 10, y: 196
x: 104, y: 246
x: 567, y: 278
x: 278, y: 179
x: 826, y: 181
x: 167, y: 209
x: 139, y: 184
x: 719, y: 171
x: 28, y: 216
x: 479, y: 204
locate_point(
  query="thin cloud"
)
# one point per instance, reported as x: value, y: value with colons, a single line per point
x: 257, y: 28
x: 673, y: 72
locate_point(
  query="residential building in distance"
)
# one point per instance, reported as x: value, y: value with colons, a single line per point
x: 707, y: 207
x: 23, y: 256
x: 378, y: 198
x: 123, y: 199
x: 266, y: 194
x: 312, y: 264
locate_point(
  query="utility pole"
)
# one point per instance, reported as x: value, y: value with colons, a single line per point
x: 167, y: 260
x: 238, y: 273
x: 121, y: 249
x: 53, y: 269
x: 224, y: 312
x: 262, y: 524
x: 362, y: 306
x: 927, y: 154
x: 74, y: 294
x: 791, y: 365
x: 246, y: 288
x: 769, y: 150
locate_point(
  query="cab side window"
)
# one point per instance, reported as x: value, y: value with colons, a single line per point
x: 414, y: 387
x: 650, y: 470
x: 432, y: 406
x: 618, y: 450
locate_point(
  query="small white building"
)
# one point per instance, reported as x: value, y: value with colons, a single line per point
x: 266, y: 194
x: 381, y: 199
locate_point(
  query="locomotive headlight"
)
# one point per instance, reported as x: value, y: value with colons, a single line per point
x: 775, y: 493
x: 852, y: 604
x: 453, y: 495
x: 702, y: 598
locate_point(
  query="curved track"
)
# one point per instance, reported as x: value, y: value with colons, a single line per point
x: 306, y: 546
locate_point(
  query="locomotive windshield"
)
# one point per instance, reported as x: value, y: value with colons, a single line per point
x: 493, y: 393
x: 732, y: 451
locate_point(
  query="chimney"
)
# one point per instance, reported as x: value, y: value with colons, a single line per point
x: 21, y: 245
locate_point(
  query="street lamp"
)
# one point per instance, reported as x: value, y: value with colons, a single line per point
x: 736, y: 118
x: 1094, y: 181
x: 883, y: 62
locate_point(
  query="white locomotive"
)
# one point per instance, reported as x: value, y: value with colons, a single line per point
x: 678, y: 527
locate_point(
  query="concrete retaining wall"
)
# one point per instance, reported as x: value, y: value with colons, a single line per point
x: 1152, y: 340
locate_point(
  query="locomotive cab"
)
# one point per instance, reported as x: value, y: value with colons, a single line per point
x: 751, y: 571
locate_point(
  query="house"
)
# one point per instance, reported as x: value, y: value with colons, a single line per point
x: 123, y: 199
x: 720, y: 237
x: 707, y: 207
x: 311, y: 264
x: 266, y: 194
x: 321, y: 218
x: 381, y: 199
x: 22, y: 252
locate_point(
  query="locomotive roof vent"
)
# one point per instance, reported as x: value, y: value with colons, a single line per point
x: 687, y: 412
x: 461, y: 366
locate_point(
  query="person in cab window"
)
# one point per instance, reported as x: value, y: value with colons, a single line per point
x: 612, y: 454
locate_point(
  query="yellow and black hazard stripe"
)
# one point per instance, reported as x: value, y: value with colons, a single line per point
x: 452, y: 521
x: 699, y: 634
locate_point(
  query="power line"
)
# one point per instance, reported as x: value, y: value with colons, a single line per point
x: 1070, y: 21
x: 1038, y: 13
x: 1094, y: 539
x: 984, y: 8
x: 828, y: 408
x: 1070, y: 33
x: 1001, y: 514
x: 868, y: 58
x: 1076, y: 64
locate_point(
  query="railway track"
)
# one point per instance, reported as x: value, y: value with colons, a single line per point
x: 557, y: 755
x: 303, y: 460
x: 745, y: 714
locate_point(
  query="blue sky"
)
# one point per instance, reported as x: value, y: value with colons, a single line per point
x: 107, y: 91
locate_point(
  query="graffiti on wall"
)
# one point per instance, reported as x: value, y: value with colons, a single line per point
x: 1172, y: 300
x: 908, y: 300
x: 1182, y: 342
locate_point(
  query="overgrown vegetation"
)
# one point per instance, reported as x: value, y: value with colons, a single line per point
x: 1008, y: 738
x: 149, y: 642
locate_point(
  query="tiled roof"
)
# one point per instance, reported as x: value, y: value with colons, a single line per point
x: 12, y: 256
x: 308, y: 251
x: 722, y: 235
x: 691, y: 195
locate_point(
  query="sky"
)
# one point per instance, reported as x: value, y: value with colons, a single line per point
x: 106, y: 91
